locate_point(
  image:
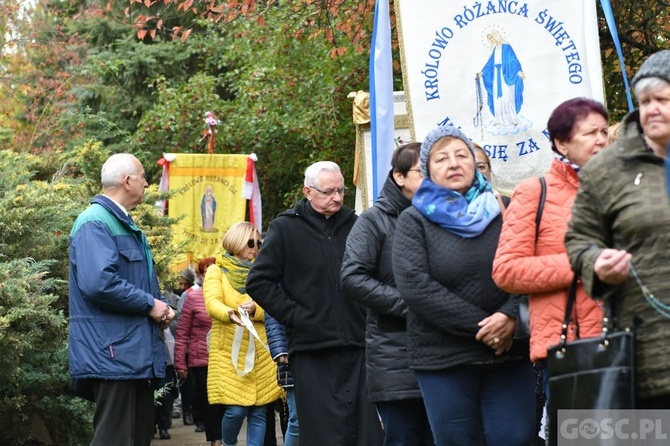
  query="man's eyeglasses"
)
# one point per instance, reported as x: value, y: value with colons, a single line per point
x: 251, y: 244
x: 330, y: 192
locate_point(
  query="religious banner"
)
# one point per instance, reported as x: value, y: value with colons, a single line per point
x: 207, y: 192
x: 364, y: 177
x: 497, y: 69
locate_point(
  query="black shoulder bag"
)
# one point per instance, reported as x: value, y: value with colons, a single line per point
x: 591, y: 373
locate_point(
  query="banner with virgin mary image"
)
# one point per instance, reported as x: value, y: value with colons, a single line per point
x: 207, y: 198
x: 496, y: 70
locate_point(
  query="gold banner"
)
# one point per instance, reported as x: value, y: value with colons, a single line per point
x: 207, y: 194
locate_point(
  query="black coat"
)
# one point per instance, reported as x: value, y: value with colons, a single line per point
x: 296, y: 279
x: 367, y: 277
x: 446, y: 282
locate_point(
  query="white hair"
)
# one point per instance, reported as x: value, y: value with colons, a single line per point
x: 312, y: 172
x: 116, y: 167
x: 647, y: 84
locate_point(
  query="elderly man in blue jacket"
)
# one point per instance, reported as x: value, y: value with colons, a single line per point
x: 116, y: 311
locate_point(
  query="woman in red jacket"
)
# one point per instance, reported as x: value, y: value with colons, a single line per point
x: 192, y: 328
x: 539, y: 266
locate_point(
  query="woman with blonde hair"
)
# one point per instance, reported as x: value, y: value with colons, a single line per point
x: 241, y: 373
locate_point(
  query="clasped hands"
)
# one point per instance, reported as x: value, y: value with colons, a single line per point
x: 162, y: 313
x: 497, y: 331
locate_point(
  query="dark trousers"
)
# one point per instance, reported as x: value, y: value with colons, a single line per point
x: 330, y: 395
x: 186, y: 390
x: 654, y: 402
x: 124, y: 413
x: 165, y: 402
x: 211, y: 414
x: 270, y: 426
x: 405, y: 423
x: 474, y: 405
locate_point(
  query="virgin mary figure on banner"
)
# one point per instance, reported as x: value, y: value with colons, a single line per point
x: 504, y: 83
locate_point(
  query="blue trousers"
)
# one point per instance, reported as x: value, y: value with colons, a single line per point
x: 292, y: 437
x: 472, y: 405
x: 405, y: 423
x: 232, y: 423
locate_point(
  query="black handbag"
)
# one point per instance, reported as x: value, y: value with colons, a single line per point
x: 522, y: 330
x: 591, y: 373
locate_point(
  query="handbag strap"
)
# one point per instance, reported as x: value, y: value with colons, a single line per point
x: 572, y: 297
x: 609, y: 315
x: 540, y: 206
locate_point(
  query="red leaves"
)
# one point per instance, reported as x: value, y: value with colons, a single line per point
x: 185, y: 34
x: 337, y: 52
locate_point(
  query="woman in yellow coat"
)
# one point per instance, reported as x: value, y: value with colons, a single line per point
x: 241, y: 373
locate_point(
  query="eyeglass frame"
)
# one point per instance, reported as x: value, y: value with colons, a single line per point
x: 329, y: 193
x: 254, y: 243
x: 416, y: 170
x: 483, y: 166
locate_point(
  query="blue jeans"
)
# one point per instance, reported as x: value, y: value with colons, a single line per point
x: 473, y: 405
x: 405, y: 423
x: 292, y: 437
x: 232, y: 423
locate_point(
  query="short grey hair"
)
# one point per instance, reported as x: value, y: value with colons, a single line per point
x: 647, y: 84
x: 313, y: 171
x: 116, y: 167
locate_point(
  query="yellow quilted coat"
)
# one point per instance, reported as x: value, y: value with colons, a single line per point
x: 224, y: 385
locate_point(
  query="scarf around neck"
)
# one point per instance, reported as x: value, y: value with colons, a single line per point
x: 467, y: 216
x: 236, y: 271
x: 564, y: 159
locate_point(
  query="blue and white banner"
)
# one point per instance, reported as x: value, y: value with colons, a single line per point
x: 381, y: 96
x: 497, y: 69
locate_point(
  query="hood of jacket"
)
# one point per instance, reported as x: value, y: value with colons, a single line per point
x: 391, y: 199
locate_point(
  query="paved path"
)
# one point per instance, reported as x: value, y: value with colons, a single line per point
x: 187, y: 436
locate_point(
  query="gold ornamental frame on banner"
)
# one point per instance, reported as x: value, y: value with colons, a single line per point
x: 363, y: 157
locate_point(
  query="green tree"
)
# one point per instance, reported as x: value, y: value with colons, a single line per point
x: 643, y: 29
x: 40, y: 196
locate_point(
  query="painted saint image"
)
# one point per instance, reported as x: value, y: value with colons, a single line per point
x: 503, y: 80
x: 208, y: 209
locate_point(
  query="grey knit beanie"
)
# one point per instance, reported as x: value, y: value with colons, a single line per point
x: 656, y: 65
x: 189, y: 275
x: 434, y: 136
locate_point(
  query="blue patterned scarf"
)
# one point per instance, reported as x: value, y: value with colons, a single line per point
x: 466, y: 216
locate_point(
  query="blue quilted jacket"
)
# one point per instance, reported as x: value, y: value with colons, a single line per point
x: 278, y: 346
x: 112, y: 291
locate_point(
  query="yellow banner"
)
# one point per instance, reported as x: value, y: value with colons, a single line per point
x: 207, y: 193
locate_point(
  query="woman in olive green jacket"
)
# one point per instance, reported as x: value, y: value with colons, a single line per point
x: 621, y: 217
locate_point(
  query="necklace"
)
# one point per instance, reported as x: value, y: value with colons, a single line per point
x: 660, y: 307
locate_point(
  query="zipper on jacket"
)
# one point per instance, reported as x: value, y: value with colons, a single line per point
x: 111, y: 351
